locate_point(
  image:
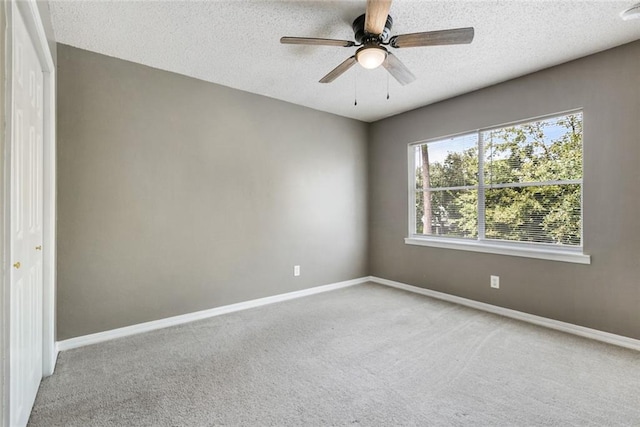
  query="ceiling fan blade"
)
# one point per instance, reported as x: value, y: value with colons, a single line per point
x: 316, y: 42
x: 398, y: 70
x: 433, y: 38
x: 375, y: 17
x: 339, y: 70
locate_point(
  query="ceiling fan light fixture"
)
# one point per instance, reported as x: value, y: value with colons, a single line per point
x: 632, y: 13
x: 371, y: 57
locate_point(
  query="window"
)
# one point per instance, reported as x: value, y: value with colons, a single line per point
x: 516, y: 187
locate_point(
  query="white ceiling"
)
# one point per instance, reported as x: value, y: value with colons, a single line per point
x: 236, y: 44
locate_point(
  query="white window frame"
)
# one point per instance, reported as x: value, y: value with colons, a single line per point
x: 546, y: 251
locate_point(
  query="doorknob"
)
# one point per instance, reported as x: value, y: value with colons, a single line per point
x: 17, y: 264
x: 38, y: 248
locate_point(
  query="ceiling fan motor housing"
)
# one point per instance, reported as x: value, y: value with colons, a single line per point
x: 362, y: 37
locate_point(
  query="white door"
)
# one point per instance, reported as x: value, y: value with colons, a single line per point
x: 26, y: 225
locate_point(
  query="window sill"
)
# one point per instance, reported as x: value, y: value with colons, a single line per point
x: 566, y: 255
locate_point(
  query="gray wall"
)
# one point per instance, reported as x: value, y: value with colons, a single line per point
x: 177, y: 195
x: 604, y: 295
x: 4, y: 320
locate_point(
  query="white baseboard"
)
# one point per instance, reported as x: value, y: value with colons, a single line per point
x: 198, y: 315
x: 570, y: 328
x: 53, y: 358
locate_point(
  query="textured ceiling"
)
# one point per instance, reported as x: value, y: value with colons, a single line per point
x: 236, y: 44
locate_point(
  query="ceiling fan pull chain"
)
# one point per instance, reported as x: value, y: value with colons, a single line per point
x: 387, y: 86
x: 355, y: 88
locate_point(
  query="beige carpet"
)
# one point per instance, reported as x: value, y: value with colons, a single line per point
x: 365, y: 355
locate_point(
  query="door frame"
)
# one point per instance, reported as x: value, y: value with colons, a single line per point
x: 35, y: 28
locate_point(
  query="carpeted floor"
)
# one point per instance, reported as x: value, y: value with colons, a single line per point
x: 364, y: 355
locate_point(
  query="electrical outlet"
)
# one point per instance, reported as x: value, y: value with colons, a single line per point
x: 296, y: 270
x: 495, y: 282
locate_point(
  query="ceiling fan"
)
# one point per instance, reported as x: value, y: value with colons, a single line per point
x: 372, y: 31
